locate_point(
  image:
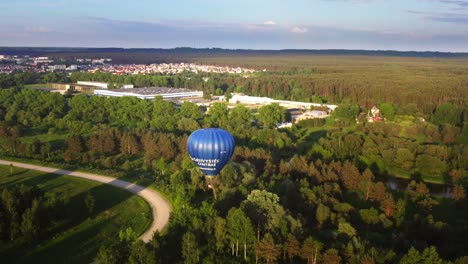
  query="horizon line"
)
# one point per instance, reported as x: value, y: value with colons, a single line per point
x: 234, y: 49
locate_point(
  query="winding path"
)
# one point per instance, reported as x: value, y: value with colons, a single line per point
x: 159, y: 206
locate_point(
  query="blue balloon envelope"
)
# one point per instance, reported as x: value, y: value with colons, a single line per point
x: 210, y: 149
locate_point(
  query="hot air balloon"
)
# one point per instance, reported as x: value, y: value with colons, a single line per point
x: 210, y: 149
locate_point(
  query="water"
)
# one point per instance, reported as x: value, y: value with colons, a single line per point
x: 401, y: 184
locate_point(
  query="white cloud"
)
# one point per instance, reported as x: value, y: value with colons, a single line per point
x: 299, y: 30
x: 269, y: 22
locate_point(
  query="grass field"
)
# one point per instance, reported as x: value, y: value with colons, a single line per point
x: 77, y: 238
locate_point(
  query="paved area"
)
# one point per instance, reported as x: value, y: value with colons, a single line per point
x: 159, y: 206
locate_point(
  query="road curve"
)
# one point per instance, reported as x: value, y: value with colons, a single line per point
x: 159, y: 206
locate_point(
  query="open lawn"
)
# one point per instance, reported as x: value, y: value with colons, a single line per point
x: 77, y: 238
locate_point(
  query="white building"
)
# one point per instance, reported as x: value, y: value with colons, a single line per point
x: 126, y: 86
x: 57, y: 67
x: 72, y: 67
x: 101, y: 85
x: 309, y: 115
x: 245, y: 99
x: 151, y: 93
x: 42, y: 60
x: 284, y: 125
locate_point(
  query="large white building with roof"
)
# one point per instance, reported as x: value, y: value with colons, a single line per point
x: 246, y: 99
x: 152, y: 92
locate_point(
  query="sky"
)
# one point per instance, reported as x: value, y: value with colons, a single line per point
x: 405, y: 25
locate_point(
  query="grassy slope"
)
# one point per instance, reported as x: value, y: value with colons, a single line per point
x: 77, y: 239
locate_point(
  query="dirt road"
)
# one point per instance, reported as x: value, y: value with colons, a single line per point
x: 159, y: 206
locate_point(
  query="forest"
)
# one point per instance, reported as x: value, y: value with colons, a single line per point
x: 315, y: 193
x: 130, y: 55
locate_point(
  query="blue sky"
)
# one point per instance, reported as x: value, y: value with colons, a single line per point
x: 422, y: 25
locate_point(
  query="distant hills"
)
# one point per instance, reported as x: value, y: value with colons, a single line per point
x: 37, y: 51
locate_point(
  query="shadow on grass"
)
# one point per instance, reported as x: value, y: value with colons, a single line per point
x: 105, y: 197
x: 16, y: 178
x: 70, y: 247
x: 76, y: 212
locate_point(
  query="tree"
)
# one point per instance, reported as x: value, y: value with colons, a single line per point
x: 160, y: 166
x: 369, y: 216
x: 190, y: 251
x: 400, y: 211
x: 126, y: 166
x: 227, y: 96
x: 447, y: 113
x: 430, y: 166
x: 106, y: 255
x: 430, y: 256
x: 30, y: 225
x: 421, y: 189
x: 127, y: 235
x: 346, y: 228
x: 111, y: 85
x: 365, y: 185
x: 118, y: 249
x: 191, y: 110
x: 351, y: 176
x: 378, y: 192
x: 292, y: 247
x: 129, y: 144
x: 271, y: 114
x: 264, y: 209
x: 164, y: 115
x: 404, y: 159
x: 388, y: 205
x: 331, y: 257
x: 458, y: 193
x: 141, y: 254
x: 217, y: 115
x: 240, y: 118
x: 455, y: 175
x: 267, y: 249
x: 346, y: 112
x: 187, y: 124
x: 220, y: 233
x: 450, y: 134
x: 412, y: 257
x: 366, y: 260
x: 311, y: 250
x: 239, y: 230
x: 322, y: 215
x: 461, y: 260
x: 89, y: 202
x: 219, y: 91
x: 388, y: 111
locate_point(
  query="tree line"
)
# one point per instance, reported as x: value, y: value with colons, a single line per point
x: 26, y: 212
x: 299, y: 195
x: 309, y: 194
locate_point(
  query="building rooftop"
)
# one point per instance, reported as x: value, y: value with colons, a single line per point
x: 154, y: 90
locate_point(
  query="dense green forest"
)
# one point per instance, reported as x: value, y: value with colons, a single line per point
x: 315, y: 193
x: 414, y: 86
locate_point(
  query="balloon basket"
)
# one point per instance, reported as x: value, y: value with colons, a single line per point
x: 210, y: 182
